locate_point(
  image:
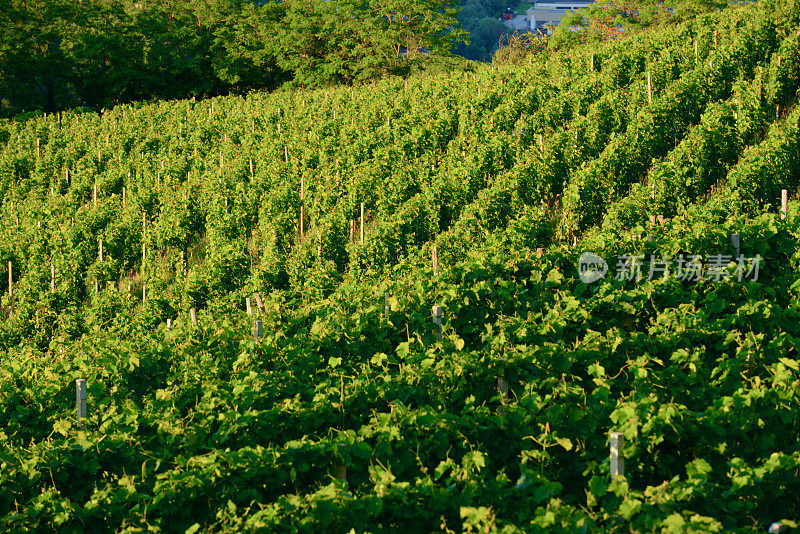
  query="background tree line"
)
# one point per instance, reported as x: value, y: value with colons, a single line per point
x: 56, y: 54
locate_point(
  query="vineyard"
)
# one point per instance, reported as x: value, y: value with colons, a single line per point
x: 361, y: 309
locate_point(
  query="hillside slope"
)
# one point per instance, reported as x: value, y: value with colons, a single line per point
x: 352, y: 409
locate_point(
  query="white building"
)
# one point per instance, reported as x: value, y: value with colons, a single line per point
x: 550, y: 12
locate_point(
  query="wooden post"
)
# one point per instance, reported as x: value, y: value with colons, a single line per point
x: 784, y: 203
x: 617, y: 458
x: 259, y: 303
x: 193, y: 315
x: 94, y: 195
x: 257, y: 330
x: 52, y: 277
x: 123, y: 195
x: 660, y: 220
x: 100, y: 243
x: 251, y: 167
x: 248, y: 306
x: 649, y: 89
x: 144, y: 291
x: 362, y: 223
x: 341, y: 472
x: 696, y: 54
x: 591, y: 63
x: 437, y: 320
x: 435, y: 260
x: 502, y: 386
x: 302, y: 216
x: 80, y: 400
x: 38, y: 151
x: 386, y: 305
x: 735, y: 243
x: 169, y: 324
x: 10, y: 279
x: 183, y: 264
x: 715, y: 38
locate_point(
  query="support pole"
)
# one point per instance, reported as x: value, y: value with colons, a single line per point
x: 80, y: 400
x: 617, y: 458
x: 437, y: 320
x: 362, y: 223
x: 784, y: 203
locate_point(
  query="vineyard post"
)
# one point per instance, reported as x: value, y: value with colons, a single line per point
x: 259, y: 303
x: 661, y: 220
x: 123, y: 195
x: 696, y: 55
x: 362, y: 223
x: 251, y: 168
x: 193, y: 315
x: 437, y: 320
x: 169, y: 324
x: 249, y: 306
x: 649, y: 89
x: 735, y: 243
x: 94, y: 195
x: 10, y: 279
x: 302, y: 216
x: 100, y: 245
x: 257, y: 330
x: 617, y: 458
x: 38, y: 151
x: 341, y: 472
x: 784, y: 202
x: 502, y: 387
x: 435, y: 261
x: 591, y: 63
x: 386, y: 305
x: 80, y: 400
x: 52, y: 277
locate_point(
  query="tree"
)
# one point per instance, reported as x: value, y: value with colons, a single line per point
x: 326, y: 42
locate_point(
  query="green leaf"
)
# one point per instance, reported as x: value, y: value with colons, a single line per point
x: 334, y: 362
x: 379, y: 359
x: 565, y: 442
x: 402, y: 350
